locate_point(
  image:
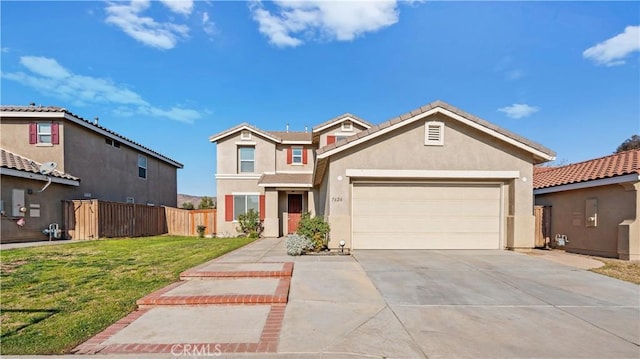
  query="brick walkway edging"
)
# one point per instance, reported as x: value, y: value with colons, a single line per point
x: 269, y: 337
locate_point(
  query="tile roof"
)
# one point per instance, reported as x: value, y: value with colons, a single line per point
x: 292, y: 136
x: 429, y: 107
x: 618, y: 164
x: 88, y: 124
x: 300, y: 179
x: 338, y: 118
x: 16, y: 162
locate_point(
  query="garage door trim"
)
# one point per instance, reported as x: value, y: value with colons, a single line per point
x: 498, y: 184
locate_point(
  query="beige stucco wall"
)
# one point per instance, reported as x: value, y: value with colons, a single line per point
x: 464, y: 149
x: 111, y: 174
x: 336, y: 130
x: 50, y: 208
x: 229, y: 187
x: 14, y: 137
x: 227, y: 158
x: 616, y: 204
x: 281, y: 159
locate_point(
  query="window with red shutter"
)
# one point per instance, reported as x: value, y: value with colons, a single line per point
x: 55, y: 136
x: 304, y: 156
x: 228, y: 208
x: 262, y: 207
x: 33, y: 133
x: 331, y: 139
x: 289, y: 155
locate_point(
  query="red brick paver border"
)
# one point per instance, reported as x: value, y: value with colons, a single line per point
x: 194, y: 273
x: 159, y: 297
x: 268, y: 340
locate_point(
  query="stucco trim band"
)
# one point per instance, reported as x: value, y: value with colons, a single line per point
x: 374, y: 173
x: 587, y: 184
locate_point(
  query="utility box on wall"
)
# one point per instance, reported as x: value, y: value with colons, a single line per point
x: 591, y: 212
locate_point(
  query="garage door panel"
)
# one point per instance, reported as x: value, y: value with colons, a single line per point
x: 438, y: 224
x: 426, y: 216
x: 460, y: 208
x: 422, y: 241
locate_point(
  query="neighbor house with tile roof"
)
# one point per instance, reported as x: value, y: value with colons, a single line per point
x: 92, y: 161
x: 595, y: 203
x: 433, y: 178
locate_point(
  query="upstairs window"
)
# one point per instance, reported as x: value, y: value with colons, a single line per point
x: 44, y: 133
x: 296, y: 155
x: 434, y: 133
x: 142, y: 166
x: 246, y: 159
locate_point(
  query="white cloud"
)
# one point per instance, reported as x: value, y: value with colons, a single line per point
x: 47, y: 76
x: 207, y: 25
x: 519, y: 110
x: 612, y: 52
x: 161, y: 35
x: 183, y: 7
x: 293, y: 22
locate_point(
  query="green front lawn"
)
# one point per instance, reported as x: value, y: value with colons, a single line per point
x: 56, y: 297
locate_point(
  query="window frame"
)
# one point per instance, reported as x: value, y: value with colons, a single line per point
x: 245, y: 203
x: 241, y: 161
x: 145, y: 167
x: 40, y: 133
x: 295, y: 156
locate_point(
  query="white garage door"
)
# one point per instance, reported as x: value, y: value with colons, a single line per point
x: 426, y: 216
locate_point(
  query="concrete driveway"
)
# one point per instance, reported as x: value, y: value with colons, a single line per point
x: 488, y: 304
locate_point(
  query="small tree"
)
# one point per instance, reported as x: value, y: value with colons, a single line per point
x: 250, y: 224
x: 206, y: 203
x: 314, y: 228
x: 630, y: 143
x: 187, y: 205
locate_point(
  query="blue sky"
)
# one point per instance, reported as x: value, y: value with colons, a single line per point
x: 168, y: 74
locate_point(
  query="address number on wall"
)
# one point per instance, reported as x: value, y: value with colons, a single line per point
x: 336, y: 199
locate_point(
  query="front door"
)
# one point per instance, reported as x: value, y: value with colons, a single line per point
x: 295, y: 212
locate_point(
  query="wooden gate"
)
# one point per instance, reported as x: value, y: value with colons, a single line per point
x: 543, y: 225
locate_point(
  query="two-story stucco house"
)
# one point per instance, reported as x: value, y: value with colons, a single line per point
x: 434, y: 178
x: 92, y: 163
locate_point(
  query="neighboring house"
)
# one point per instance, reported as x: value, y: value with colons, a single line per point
x: 92, y: 163
x: 433, y: 178
x: 595, y: 204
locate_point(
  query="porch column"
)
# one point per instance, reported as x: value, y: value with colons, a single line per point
x: 311, y: 204
x: 271, y: 222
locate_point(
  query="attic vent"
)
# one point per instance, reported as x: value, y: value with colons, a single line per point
x: 434, y: 133
x: 245, y: 135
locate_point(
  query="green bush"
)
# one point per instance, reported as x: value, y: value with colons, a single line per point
x: 296, y: 244
x: 314, y: 228
x: 250, y: 224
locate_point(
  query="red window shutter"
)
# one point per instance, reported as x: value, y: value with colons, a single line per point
x: 262, y: 207
x: 331, y: 139
x: 33, y: 133
x: 55, y: 136
x: 289, y: 155
x: 304, y: 156
x: 228, y: 208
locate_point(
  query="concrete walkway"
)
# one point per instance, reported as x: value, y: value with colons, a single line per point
x: 6, y: 246
x: 381, y: 304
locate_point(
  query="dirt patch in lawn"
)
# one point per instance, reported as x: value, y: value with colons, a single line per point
x: 619, y: 269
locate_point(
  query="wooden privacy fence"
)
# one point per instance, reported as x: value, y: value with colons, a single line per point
x: 543, y: 225
x: 182, y: 222
x: 87, y: 219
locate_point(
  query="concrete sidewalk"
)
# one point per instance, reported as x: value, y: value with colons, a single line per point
x: 7, y: 246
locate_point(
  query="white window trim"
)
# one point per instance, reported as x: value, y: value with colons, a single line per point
x: 347, y: 126
x: 440, y: 127
x: 293, y: 156
x: 246, y: 195
x: 240, y: 160
x: 38, y: 133
x: 146, y: 167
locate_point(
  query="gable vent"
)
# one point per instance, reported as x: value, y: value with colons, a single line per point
x: 434, y: 133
